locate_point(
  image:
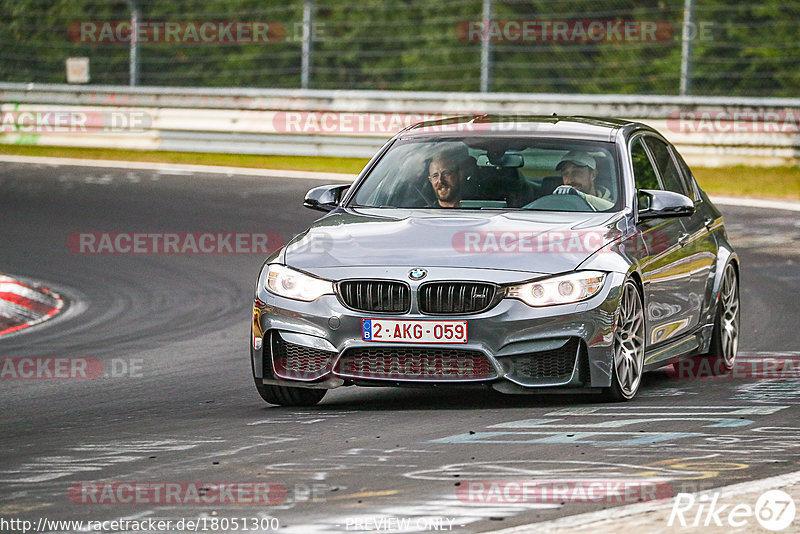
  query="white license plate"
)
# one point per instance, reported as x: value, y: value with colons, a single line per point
x: 424, y: 331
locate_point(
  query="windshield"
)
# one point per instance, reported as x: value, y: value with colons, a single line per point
x: 494, y: 173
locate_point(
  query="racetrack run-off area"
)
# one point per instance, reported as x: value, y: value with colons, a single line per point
x: 166, y: 398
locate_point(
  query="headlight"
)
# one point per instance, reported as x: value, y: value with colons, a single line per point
x: 291, y: 284
x: 563, y: 289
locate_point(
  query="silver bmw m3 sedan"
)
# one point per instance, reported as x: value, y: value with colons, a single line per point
x: 527, y: 254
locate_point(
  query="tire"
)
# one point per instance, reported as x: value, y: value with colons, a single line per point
x: 289, y: 396
x: 721, y: 356
x: 628, y: 364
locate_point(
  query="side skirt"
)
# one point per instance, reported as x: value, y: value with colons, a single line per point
x: 687, y: 345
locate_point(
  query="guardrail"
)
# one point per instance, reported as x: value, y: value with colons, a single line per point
x: 709, y: 131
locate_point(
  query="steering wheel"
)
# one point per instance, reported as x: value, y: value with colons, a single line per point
x: 560, y: 203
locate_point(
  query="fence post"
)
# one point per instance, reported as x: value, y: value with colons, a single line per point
x: 134, y: 50
x: 485, y: 47
x: 305, y: 74
x: 689, y: 33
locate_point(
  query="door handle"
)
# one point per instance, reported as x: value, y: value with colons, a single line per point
x: 683, y: 239
x: 709, y: 222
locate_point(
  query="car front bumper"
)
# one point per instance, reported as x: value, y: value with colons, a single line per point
x: 527, y: 349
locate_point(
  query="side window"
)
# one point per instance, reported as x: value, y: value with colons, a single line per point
x: 643, y: 173
x: 670, y: 176
x: 688, y: 177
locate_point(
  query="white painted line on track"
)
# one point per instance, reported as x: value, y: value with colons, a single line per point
x: 178, y: 168
x: 630, y: 510
x: 756, y: 203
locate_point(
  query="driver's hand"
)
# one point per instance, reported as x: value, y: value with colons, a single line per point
x: 568, y: 190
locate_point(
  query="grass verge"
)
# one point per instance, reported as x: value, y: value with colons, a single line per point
x: 755, y: 182
x: 299, y: 163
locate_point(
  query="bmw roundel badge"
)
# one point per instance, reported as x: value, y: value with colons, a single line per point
x: 417, y: 274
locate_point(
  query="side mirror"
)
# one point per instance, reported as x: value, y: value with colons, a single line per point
x: 655, y: 203
x: 325, y: 198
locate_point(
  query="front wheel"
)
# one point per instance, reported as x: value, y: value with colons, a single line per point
x: 289, y: 396
x: 628, y: 346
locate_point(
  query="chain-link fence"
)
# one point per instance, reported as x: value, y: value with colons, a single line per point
x: 710, y: 47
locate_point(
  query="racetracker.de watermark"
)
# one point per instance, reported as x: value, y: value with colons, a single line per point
x: 734, y: 122
x: 174, y: 242
x: 555, y: 242
x: 354, y: 123
x: 562, y: 491
x: 767, y: 368
x: 463, y: 368
x: 177, y: 32
x: 565, y: 31
x: 390, y: 123
x: 74, y: 121
x: 68, y: 368
x: 178, y: 493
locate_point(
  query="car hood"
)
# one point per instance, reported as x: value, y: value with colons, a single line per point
x: 535, y: 242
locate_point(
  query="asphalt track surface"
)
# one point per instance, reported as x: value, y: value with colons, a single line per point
x: 182, y: 406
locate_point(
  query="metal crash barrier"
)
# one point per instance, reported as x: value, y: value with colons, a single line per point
x: 709, y: 131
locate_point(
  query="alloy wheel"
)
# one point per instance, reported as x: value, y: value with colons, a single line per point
x: 729, y: 321
x: 629, y: 342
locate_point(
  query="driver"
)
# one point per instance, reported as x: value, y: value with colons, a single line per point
x: 446, y: 173
x: 578, y: 172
